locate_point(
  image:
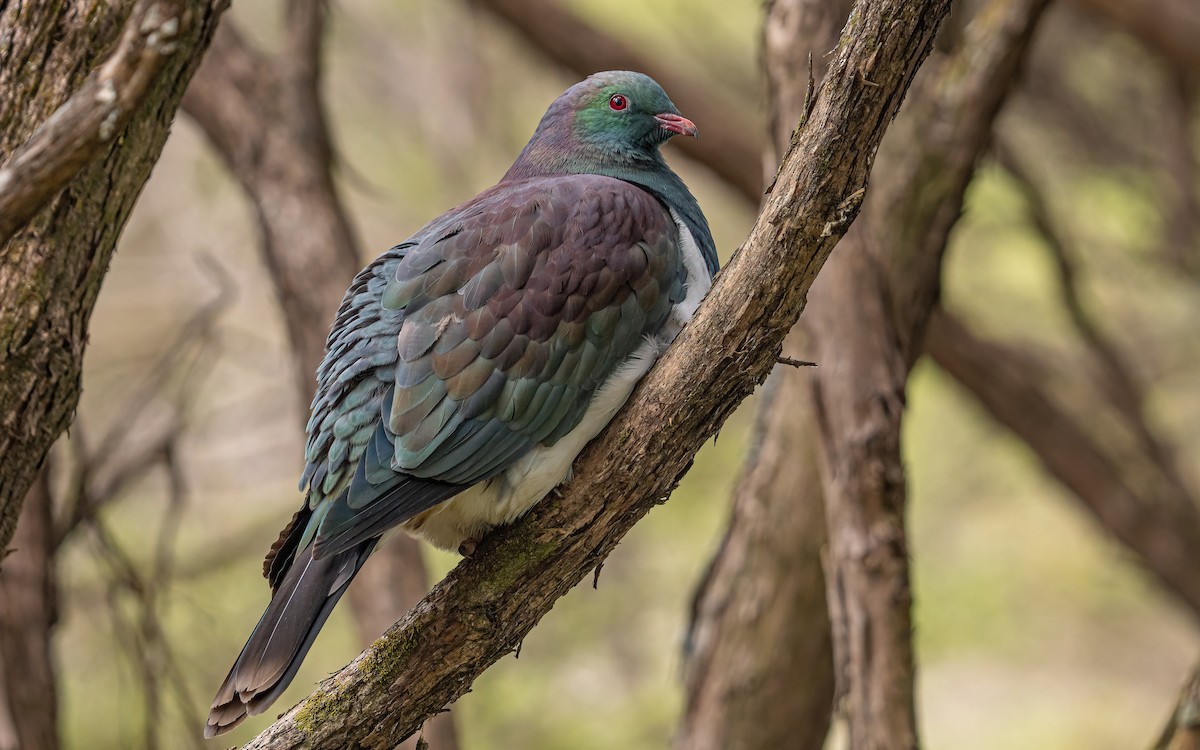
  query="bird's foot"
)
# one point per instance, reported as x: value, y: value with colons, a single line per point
x: 467, y: 547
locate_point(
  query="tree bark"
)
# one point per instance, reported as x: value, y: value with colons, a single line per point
x: 51, y: 268
x: 760, y: 655
x: 1170, y: 27
x: 28, y: 612
x: 266, y: 119
x: 866, y: 324
x: 483, y: 609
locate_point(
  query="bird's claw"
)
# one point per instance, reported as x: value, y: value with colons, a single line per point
x: 467, y: 547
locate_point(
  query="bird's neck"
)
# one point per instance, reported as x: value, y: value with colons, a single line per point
x: 648, y: 171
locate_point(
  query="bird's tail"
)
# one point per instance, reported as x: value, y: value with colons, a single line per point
x: 269, y: 660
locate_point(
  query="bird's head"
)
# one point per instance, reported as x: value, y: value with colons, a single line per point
x: 621, y: 110
x: 607, y: 123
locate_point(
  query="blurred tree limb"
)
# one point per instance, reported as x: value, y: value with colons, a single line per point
x: 890, y: 266
x: 482, y: 609
x: 141, y: 439
x: 264, y: 116
x: 1170, y: 27
x: 28, y: 612
x: 58, y: 246
x: 1008, y: 382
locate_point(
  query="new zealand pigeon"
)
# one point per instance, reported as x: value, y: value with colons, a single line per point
x: 469, y: 365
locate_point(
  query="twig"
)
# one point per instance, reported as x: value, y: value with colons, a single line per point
x: 793, y: 362
x: 86, y: 124
x: 102, y: 474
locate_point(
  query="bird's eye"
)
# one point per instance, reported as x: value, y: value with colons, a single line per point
x: 618, y: 102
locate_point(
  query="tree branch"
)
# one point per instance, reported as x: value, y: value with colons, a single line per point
x: 50, y: 273
x: 482, y: 610
x: 85, y: 125
x: 1125, y: 391
x: 890, y: 266
x: 1169, y: 27
x: 28, y: 613
x: 1007, y: 382
x: 759, y: 653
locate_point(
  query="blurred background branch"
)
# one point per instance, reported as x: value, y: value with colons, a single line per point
x: 265, y: 117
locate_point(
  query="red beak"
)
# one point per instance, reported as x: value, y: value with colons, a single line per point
x: 677, y: 124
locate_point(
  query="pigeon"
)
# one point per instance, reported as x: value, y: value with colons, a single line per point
x: 469, y: 365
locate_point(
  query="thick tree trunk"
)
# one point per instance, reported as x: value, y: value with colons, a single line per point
x: 760, y: 655
x: 866, y: 321
x: 51, y: 269
x: 760, y: 658
x: 28, y: 611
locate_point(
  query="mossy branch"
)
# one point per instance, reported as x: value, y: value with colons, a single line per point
x: 483, y: 608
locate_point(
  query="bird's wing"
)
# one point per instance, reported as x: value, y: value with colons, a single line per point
x: 514, y: 313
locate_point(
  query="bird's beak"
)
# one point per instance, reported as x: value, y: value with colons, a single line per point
x: 677, y: 124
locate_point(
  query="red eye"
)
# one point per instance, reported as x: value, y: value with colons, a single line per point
x: 617, y: 102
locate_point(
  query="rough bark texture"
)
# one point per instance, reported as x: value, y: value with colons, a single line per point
x: 760, y: 656
x: 482, y: 610
x: 85, y: 125
x: 51, y: 269
x: 866, y: 323
x: 728, y: 147
x: 28, y: 612
x: 265, y: 118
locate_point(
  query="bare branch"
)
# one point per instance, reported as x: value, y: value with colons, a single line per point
x: 1122, y: 385
x: 759, y: 653
x: 890, y: 265
x: 50, y: 273
x: 133, y: 444
x: 1007, y: 381
x: 429, y: 659
x: 84, y: 127
x: 28, y: 612
x: 1183, y: 172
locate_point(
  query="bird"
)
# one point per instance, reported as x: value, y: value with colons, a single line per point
x: 469, y: 365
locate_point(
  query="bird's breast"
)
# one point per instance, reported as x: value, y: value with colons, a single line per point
x: 509, y: 495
